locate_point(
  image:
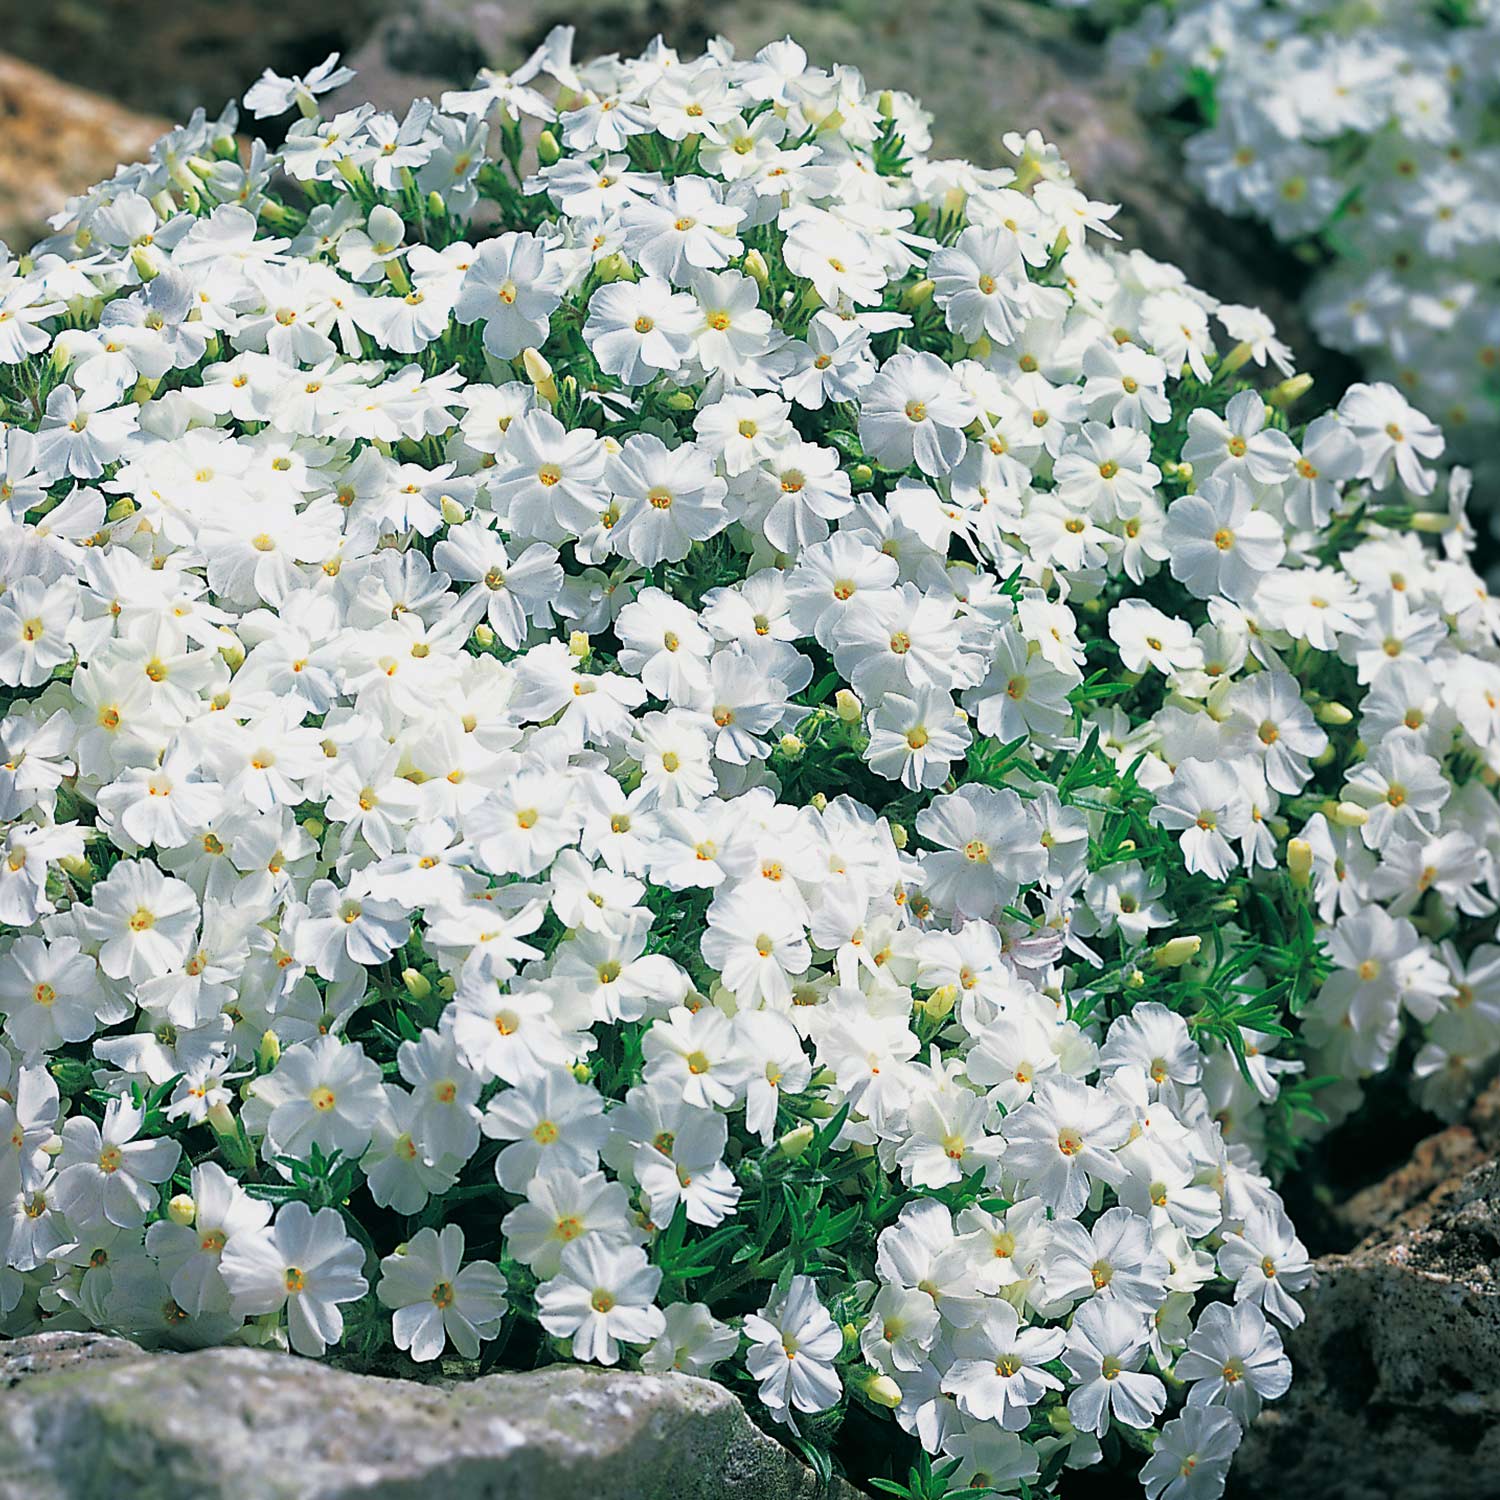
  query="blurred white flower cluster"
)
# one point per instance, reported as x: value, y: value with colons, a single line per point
x: 686, y: 736
x: 1367, y: 137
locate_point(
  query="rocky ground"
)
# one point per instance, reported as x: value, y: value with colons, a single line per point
x: 84, y: 1417
x: 1397, y: 1388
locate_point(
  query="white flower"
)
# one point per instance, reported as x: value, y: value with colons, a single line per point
x: 1219, y: 544
x: 1234, y: 1359
x: 144, y: 921
x: 693, y: 1342
x: 914, y: 412
x: 997, y: 1372
x: 603, y: 1296
x: 1192, y: 1456
x: 105, y: 1174
x: 981, y: 284
x: 1106, y: 1347
x: 306, y: 1263
x: 435, y: 1301
x: 793, y: 1346
x: 636, y: 329
x: 511, y: 289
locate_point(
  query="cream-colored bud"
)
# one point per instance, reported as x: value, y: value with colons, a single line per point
x: 757, y: 269
x: 1177, y: 951
x: 1290, y: 390
x: 849, y: 708
x: 452, y: 512
x: 268, y: 1051
x: 547, y: 149
x: 1299, y: 862
x: 884, y: 1391
x: 181, y: 1209
x: 418, y: 985
x: 1350, y: 815
x: 578, y: 644
x: 796, y: 1141
x: 1336, y: 715
x: 539, y: 373
x: 918, y: 294
x: 939, y: 1004
x: 1433, y: 522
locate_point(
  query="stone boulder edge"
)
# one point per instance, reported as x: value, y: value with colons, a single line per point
x: 88, y: 1417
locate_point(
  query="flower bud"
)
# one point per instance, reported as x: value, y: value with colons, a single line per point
x: 848, y: 706
x: 884, y: 1391
x: 1433, y: 522
x: 268, y: 1052
x: 484, y: 636
x: 578, y: 645
x: 680, y: 401
x: 453, y: 513
x: 796, y: 1141
x: 757, y: 269
x: 547, y: 149
x: 181, y: 1209
x: 1349, y: 815
x: 899, y: 836
x: 418, y: 985
x: 1290, y: 390
x: 1334, y: 714
x: 582, y: 1072
x: 231, y: 648
x: 861, y: 476
x: 614, y: 267
x: 918, y: 294
x: 1236, y: 357
x: 939, y: 1004
x: 539, y: 373
x: 1177, y: 951
x: 819, y: 800
x: 1299, y: 862
x: 791, y: 746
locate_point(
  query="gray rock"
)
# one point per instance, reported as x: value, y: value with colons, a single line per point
x: 85, y: 1417
x: 1396, y: 1390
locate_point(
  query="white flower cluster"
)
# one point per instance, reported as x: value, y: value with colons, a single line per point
x: 1370, y: 133
x: 734, y: 718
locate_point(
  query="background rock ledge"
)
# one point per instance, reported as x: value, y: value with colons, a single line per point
x: 86, y: 1417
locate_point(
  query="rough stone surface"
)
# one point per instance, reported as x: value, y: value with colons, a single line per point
x: 86, y: 1417
x: 1396, y: 1389
x: 58, y: 140
x: 170, y: 58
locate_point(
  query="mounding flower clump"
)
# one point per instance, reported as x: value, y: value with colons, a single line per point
x: 688, y: 737
x: 1369, y: 138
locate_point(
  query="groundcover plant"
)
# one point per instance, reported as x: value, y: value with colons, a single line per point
x: 685, y: 737
x: 1368, y: 137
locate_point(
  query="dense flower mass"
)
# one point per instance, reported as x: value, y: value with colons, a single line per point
x: 686, y: 737
x: 1367, y: 137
